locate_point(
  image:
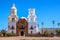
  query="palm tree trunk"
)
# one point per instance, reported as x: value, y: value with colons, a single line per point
x: 42, y: 26
x: 42, y: 29
x: 53, y: 29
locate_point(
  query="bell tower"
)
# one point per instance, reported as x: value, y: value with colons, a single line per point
x: 32, y: 29
x: 12, y: 19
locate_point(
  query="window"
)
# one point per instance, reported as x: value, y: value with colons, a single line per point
x: 13, y: 19
x: 8, y: 26
x: 31, y: 27
x: 13, y: 11
x: 31, y: 32
x: 12, y: 27
x: 31, y: 11
x: 31, y: 19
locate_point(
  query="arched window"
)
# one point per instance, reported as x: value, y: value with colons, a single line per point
x: 8, y: 26
x: 31, y: 32
x: 31, y: 27
x: 13, y: 19
x: 12, y: 27
x: 31, y: 19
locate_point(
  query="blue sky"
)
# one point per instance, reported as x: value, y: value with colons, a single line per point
x: 46, y: 11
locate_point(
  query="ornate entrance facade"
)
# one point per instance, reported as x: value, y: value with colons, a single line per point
x: 22, y: 27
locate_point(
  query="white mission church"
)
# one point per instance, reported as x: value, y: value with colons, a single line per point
x: 13, y: 20
x: 25, y: 26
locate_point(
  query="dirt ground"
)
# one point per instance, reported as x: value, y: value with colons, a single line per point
x: 29, y: 38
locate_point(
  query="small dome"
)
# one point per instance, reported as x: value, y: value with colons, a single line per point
x: 23, y: 18
x: 13, y: 6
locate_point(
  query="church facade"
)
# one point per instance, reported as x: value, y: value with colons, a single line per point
x: 25, y: 26
x: 22, y: 26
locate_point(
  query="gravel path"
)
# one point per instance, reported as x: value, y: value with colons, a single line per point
x: 29, y: 38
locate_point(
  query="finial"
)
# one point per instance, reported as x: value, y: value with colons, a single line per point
x: 13, y: 5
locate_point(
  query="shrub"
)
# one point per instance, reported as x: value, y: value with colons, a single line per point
x: 58, y: 32
x: 46, y: 33
x: 10, y: 34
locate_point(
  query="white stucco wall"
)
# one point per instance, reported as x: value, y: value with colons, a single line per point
x: 10, y: 24
x: 34, y: 30
x: 51, y: 30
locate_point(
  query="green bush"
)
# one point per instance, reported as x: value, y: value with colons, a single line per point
x: 58, y: 31
x: 46, y: 33
x: 10, y: 34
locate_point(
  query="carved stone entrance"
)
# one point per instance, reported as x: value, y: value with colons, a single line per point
x: 22, y: 27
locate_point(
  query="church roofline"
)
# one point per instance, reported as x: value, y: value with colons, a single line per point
x: 23, y: 18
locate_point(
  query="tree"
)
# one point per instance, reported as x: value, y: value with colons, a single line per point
x: 53, y: 22
x: 10, y: 34
x: 58, y: 24
x: 58, y: 32
x: 38, y: 25
x: 42, y: 26
x: 0, y: 33
x: 3, y: 32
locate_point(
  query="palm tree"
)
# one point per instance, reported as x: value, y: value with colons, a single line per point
x: 53, y: 22
x: 42, y: 26
x: 38, y: 25
x: 58, y: 24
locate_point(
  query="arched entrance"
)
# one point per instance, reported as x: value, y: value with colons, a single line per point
x: 22, y: 33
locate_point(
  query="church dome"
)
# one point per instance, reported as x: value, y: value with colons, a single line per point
x: 13, y: 6
x: 23, y: 18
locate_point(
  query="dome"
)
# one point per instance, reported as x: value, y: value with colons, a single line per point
x: 23, y: 18
x: 13, y: 6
